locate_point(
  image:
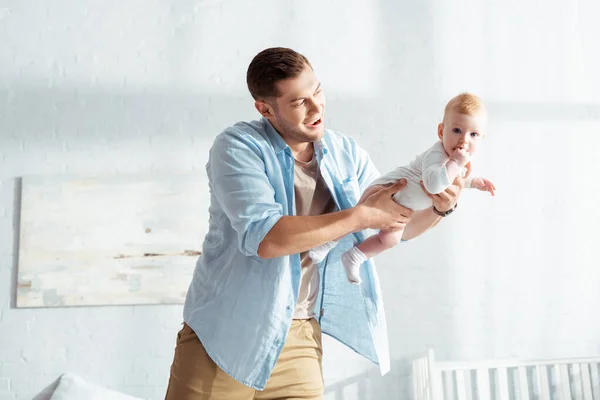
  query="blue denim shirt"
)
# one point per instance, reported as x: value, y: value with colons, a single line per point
x: 241, y: 305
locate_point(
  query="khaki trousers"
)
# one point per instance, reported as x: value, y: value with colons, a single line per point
x: 297, y: 374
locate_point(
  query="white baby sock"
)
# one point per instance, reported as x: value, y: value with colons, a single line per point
x: 352, y: 260
x: 319, y: 253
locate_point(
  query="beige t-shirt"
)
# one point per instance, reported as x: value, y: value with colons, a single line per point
x: 312, y: 198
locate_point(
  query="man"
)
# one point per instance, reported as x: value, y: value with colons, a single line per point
x: 279, y: 187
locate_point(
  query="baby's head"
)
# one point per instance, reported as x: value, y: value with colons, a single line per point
x: 464, y: 124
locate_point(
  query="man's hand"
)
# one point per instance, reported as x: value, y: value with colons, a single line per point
x: 447, y: 199
x: 379, y: 211
x: 369, y: 191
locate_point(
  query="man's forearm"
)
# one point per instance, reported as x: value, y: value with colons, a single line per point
x: 421, y: 222
x: 293, y: 234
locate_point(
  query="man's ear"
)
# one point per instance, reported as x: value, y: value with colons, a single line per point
x: 440, y: 130
x: 264, y: 109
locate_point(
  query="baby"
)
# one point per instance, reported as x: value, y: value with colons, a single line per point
x: 462, y: 129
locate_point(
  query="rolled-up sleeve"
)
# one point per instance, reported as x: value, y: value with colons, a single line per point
x: 238, y: 180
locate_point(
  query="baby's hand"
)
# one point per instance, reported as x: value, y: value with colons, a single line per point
x: 460, y: 156
x: 484, y: 184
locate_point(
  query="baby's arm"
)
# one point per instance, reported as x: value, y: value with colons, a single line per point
x: 456, y: 163
x: 439, y: 171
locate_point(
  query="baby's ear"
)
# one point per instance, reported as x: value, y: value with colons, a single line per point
x: 440, y: 130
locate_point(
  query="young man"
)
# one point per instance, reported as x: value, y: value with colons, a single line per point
x: 279, y: 187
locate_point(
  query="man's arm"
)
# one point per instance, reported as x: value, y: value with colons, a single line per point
x: 292, y: 235
x: 421, y: 222
x: 240, y: 184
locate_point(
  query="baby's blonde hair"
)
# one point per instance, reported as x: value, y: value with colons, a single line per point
x: 465, y: 103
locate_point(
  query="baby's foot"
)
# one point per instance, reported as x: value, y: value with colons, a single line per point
x: 319, y: 253
x: 352, y: 260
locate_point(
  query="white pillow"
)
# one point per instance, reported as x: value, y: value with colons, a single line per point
x: 72, y: 387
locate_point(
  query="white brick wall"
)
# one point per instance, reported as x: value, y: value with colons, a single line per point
x: 138, y: 86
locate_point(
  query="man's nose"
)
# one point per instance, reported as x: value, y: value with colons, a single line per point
x: 313, y: 107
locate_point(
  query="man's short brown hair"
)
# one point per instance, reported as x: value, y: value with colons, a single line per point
x: 271, y: 66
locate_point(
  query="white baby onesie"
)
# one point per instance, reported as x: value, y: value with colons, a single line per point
x: 429, y: 167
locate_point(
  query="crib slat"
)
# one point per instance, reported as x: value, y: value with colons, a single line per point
x: 577, y: 384
x: 448, y: 385
x: 586, y: 382
x: 461, y: 389
x: 423, y: 379
x: 428, y: 374
x: 501, y: 384
x: 523, y: 385
x: 415, y: 381
x: 595, y: 378
x: 542, y: 382
x: 421, y: 384
x: 468, y: 385
x: 435, y: 378
x: 483, y: 384
x: 565, y: 384
x: 556, y: 385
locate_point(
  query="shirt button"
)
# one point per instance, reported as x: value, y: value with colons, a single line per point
x: 325, y: 151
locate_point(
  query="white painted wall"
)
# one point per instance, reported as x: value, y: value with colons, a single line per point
x: 138, y: 86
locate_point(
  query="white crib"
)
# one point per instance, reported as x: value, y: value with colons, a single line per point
x: 565, y: 379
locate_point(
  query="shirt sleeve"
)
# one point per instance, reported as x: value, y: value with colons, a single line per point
x: 435, y: 175
x: 236, y: 171
x: 366, y: 171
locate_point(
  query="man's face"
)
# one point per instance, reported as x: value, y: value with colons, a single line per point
x: 298, y: 112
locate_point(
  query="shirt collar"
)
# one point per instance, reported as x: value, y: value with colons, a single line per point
x: 279, y: 144
x: 274, y: 137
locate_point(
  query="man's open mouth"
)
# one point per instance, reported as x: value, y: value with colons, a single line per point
x: 316, y: 122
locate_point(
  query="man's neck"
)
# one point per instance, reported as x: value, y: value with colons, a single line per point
x: 303, y: 151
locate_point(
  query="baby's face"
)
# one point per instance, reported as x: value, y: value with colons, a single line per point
x: 462, y: 131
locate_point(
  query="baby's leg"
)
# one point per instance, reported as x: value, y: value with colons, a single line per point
x: 318, y: 254
x: 373, y: 245
x: 382, y: 241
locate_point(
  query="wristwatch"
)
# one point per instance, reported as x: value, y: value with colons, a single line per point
x: 444, y: 214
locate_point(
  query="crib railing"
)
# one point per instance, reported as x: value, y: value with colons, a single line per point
x: 564, y: 379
